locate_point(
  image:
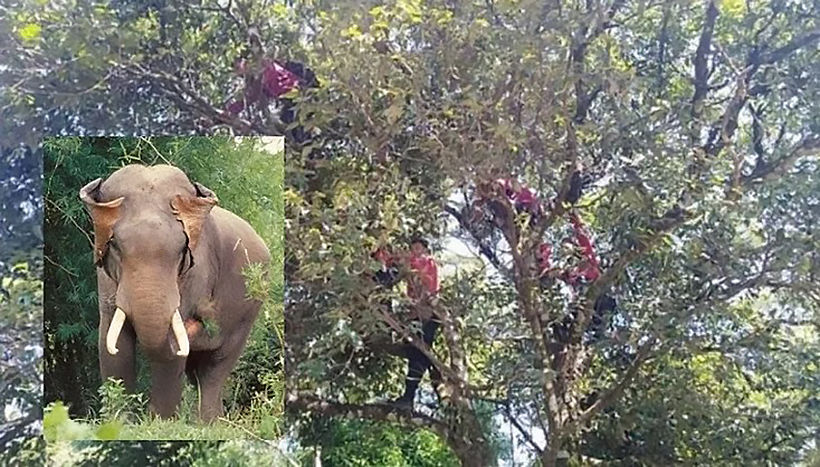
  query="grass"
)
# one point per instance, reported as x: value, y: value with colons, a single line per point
x: 125, y: 417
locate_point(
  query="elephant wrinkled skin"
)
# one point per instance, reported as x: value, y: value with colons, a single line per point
x: 168, y: 260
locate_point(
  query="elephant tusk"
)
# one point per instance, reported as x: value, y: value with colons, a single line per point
x: 179, y: 332
x: 114, y: 331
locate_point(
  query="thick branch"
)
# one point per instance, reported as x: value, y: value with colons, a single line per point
x: 178, y: 92
x: 421, y: 345
x: 613, y: 392
x: 701, y: 61
x: 483, y: 248
x: 521, y: 430
x: 783, y: 52
x: 767, y: 171
x: 302, y: 401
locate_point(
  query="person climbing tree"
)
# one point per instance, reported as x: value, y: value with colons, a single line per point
x: 271, y: 81
x: 526, y: 200
x: 422, y: 291
x: 587, y: 271
x: 577, y: 277
x: 488, y: 202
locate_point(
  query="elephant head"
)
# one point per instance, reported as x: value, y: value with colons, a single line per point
x: 148, y: 222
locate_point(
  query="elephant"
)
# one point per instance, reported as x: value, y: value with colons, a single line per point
x: 169, y: 261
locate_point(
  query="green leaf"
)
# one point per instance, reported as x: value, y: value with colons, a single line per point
x: 110, y: 430
x: 30, y: 32
x: 55, y: 417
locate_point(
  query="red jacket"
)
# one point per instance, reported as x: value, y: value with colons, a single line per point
x: 425, y: 269
x: 426, y: 277
x: 278, y: 80
x: 523, y: 197
x: 588, y: 270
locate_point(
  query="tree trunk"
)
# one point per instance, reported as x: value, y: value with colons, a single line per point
x: 554, y: 456
x: 469, y: 442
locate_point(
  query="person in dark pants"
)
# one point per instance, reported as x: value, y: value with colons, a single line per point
x: 422, y: 290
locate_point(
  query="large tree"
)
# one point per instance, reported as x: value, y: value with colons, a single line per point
x: 697, y: 123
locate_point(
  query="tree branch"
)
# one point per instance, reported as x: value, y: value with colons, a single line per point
x: 303, y: 401
x: 483, y: 248
x: 783, y: 52
x: 702, y: 71
x: 538, y: 449
x: 613, y: 392
x: 764, y: 172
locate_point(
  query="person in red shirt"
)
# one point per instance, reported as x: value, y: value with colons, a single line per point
x: 274, y: 80
x: 522, y: 198
x: 585, y: 272
x: 422, y: 290
x: 577, y: 277
x: 526, y: 200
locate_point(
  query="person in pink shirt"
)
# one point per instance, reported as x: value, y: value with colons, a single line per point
x: 523, y: 198
x: 585, y: 272
x: 577, y: 277
x: 526, y: 200
x: 422, y: 290
x: 273, y: 80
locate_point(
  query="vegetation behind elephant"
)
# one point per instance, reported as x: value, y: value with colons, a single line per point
x: 169, y: 261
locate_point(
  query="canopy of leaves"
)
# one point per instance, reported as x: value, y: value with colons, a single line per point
x: 21, y: 302
x: 697, y: 123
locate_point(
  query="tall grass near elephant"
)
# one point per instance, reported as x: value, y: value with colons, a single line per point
x: 180, y: 248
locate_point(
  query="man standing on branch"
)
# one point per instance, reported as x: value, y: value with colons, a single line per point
x: 422, y: 292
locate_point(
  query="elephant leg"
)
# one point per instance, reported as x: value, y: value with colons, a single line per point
x: 214, y: 371
x: 166, y: 387
x: 122, y: 366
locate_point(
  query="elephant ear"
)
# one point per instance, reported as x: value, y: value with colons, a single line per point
x: 192, y: 211
x: 103, y: 214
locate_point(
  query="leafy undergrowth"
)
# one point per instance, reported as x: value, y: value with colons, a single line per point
x: 125, y: 417
x: 167, y: 453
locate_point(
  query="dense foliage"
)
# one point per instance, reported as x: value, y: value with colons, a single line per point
x: 168, y: 453
x: 696, y: 121
x: 247, y: 176
x: 21, y: 301
x: 363, y: 442
x: 697, y: 126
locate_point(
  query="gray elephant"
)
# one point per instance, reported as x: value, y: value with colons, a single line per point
x: 169, y: 261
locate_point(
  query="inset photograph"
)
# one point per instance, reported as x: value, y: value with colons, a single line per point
x: 163, y: 288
